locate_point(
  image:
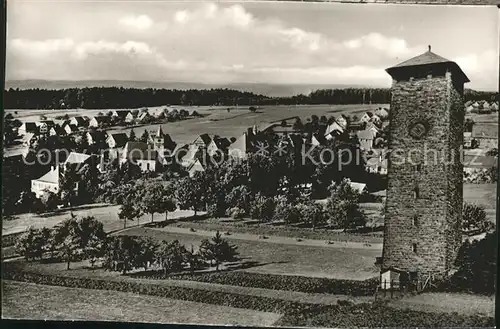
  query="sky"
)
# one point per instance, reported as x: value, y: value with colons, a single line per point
x: 244, y: 42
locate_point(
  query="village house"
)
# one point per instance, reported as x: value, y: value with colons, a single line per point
x: 382, y: 113
x: 360, y: 188
x: 78, y: 160
x: 318, y: 139
x: 96, y: 137
x: 143, y: 117
x: 365, y: 138
x: 142, y: 155
x: 467, y: 139
x: 218, y: 145
x: 486, y: 134
x: 100, y: 121
x: 161, y: 141
x: 241, y: 147
x: 333, y: 130
x: 494, y: 107
x: 195, y: 167
x: 48, y: 182
x: 366, y: 117
x: 71, y: 129
x: 28, y: 127
x: 116, y: 140
x: 202, y: 141
x: 44, y: 126
x: 131, y: 116
x: 469, y: 109
x: 342, y: 121
x: 57, y: 130
x: 79, y: 121
x: 120, y: 114
x: 357, y: 126
x: 377, y: 164
x: 29, y: 138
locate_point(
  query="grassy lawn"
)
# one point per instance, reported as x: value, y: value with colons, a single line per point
x: 448, y: 302
x: 107, y: 214
x: 338, y: 263
x: 39, y: 302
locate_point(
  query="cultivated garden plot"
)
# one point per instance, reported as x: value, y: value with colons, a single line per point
x: 101, y: 305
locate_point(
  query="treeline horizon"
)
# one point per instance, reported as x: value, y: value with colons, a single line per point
x: 130, y: 98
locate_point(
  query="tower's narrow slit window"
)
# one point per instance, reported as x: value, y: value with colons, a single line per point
x: 416, y: 192
x: 418, y: 168
x: 414, y: 247
x: 414, y: 221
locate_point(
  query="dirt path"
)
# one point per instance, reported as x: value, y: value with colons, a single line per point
x: 276, y: 239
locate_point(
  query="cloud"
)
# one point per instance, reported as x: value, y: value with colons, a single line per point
x: 141, y: 22
x: 219, y: 43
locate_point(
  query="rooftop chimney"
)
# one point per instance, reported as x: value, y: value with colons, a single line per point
x: 429, y: 47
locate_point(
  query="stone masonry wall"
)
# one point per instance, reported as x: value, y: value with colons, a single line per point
x: 455, y: 170
x: 425, y: 221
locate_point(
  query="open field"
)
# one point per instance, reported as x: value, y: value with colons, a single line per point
x: 288, y: 259
x: 482, y: 194
x: 39, y: 302
x: 462, y: 303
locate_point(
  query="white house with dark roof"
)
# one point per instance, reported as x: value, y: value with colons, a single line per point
x: 28, y: 127
x: 117, y: 140
x: 48, y: 182
x: 71, y: 129
x: 78, y: 121
x: 365, y: 138
x: 332, y: 130
x: 140, y: 154
x: 77, y: 159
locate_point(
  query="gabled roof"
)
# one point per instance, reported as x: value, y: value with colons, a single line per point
x: 121, y: 113
x: 73, y: 128
x: 139, y: 151
x: 205, y: 138
x: 30, y: 126
x: 358, y: 187
x: 364, y: 134
x: 196, y: 166
x: 119, y: 138
x: 221, y: 143
x: 319, y: 138
x: 75, y: 157
x: 97, y: 135
x: 427, y: 58
x: 59, y: 130
x: 51, y: 177
x: 241, y: 144
x: 102, y: 119
x: 80, y: 121
x: 333, y: 127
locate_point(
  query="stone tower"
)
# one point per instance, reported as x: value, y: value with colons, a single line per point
x: 425, y: 173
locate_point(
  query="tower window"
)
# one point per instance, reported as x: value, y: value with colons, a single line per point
x: 414, y: 247
x: 418, y: 168
x: 414, y: 221
x: 416, y: 192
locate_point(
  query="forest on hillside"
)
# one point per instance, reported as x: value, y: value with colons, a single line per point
x: 119, y: 97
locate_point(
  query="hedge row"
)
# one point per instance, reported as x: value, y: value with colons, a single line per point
x: 280, y: 282
x: 10, y: 239
x: 258, y: 303
x: 290, y: 231
x: 379, y: 315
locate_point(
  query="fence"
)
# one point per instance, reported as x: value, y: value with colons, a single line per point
x: 394, y: 288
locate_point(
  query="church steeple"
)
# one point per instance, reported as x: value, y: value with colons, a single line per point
x: 159, y: 132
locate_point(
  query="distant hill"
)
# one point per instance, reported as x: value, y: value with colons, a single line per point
x: 272, y: 90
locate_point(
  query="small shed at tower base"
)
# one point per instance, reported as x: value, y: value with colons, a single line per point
x: 392, y: 277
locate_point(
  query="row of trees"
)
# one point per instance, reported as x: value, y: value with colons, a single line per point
x: 125, y: 253
x: 71, y: 240
x: 114, y: 97
x: 76, y: 239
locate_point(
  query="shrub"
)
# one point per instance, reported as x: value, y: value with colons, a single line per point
x: 236, y: 213
x: 262, y: 207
